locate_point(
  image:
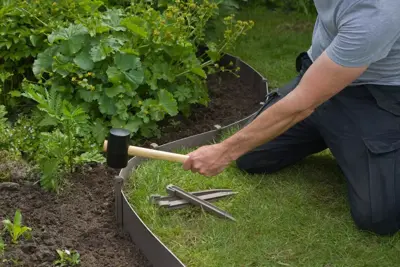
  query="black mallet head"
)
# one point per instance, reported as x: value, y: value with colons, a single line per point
x: 117, y: 148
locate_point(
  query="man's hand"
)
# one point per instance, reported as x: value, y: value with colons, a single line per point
x: 208, y: 160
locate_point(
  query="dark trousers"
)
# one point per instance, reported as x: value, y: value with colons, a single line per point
x: 361, y: 127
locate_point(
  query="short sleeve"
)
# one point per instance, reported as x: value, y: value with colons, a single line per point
x: 366, y: 34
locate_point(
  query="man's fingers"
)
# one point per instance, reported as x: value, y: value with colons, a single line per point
x: 187, y: 165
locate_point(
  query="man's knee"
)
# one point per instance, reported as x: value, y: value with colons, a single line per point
x: 381, y: 226
x: 257, y: 165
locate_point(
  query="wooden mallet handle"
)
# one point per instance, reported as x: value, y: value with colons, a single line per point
x: 152, y: 153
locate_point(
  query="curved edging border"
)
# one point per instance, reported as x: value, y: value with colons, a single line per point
x: 127, y: 218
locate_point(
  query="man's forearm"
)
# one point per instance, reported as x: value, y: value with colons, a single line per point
x: 271, y: 123
x: 323, y: 80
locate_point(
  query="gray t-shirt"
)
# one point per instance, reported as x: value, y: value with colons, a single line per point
x: 358, y: 33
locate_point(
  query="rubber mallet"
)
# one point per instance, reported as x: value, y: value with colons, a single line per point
x: 118, y: 149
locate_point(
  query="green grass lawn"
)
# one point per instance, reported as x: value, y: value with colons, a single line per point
x: 296, y: 217
x: 272, y: 45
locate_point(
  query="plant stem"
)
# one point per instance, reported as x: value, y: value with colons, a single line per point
x: 23, y: 9
x: 70, y: 148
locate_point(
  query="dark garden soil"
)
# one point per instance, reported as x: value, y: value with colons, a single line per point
x: 81, y: 217
x: 230, y: 100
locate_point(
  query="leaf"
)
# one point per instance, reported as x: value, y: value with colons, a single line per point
x: 63, y: 65
x: 115, y: 90
x: 44, y: 61
x: 101, y: 49
x: 72, y: 31
x: 48, y: 121
x: 99, y: 131
x: 17, y: 218
x: 88, y: 96
x: 131, y: 67
x: 113, y: 43
x: 106, y: 105
x: 168, y: 102
x: 98, y: 53
x: 134, y: 124
x: 90, y: 156
x: 15, y: 93
x: 34, y: 39
x: 136, y: 77
x: 114, y: 75
x: 130, y: 51
x: 49, y: 178
x: 127, y: 62
x: 135, y: 25
x: 75, y: 36
x: 84, y: 61
x: 199, y: 71
x: 112, y: 19
x: 7, y: 44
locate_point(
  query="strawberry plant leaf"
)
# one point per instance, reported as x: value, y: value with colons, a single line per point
x: 134, y: 124
x: 74, y: 36
x: 168, y: 102
x: 34, y: 39
x: 44, y: 61
x: 63, y: 65
x: 115, y: 90
x: 136, y: 77
x: 106, y: 105
x: 127, y: 62
x: 199, y: 71
x: 67, y: 33
x: 99, y: 131
x: 84, y: 61
x: 113, y: 43
x: 97, y: 53
x: 114, y: 75
x: 88, y: 96
x: 135, y: 25
x: 112, y: 18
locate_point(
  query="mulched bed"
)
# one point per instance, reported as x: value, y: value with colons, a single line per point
x: 82, y: 216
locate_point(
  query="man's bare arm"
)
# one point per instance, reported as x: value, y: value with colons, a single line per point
x: 323, y: 80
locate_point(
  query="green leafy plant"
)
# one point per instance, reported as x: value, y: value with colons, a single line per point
x: 16, y: 229
x: 68, y: 140
x: 67, y: 258
x: 4, y: 126
x: 25, y: 26
x: 133, y: 67
x: 2, y: 247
